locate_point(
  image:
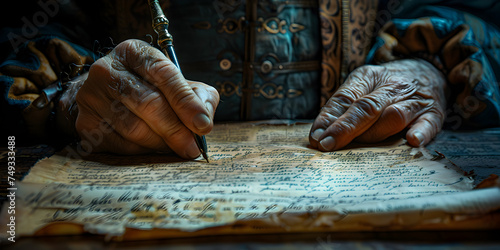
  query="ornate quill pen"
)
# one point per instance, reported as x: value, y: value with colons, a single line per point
x: 160, y: 25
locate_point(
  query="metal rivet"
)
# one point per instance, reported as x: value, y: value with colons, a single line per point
x: 225, y: 64
x: 266, y: 67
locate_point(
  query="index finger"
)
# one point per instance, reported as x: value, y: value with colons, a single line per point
x: 154, y: 67
x: 358, y: 118
x: 355, y: 87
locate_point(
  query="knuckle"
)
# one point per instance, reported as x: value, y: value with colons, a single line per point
x: 131, y: 53
x: 401, y: 112
x: 151, y: 104
x: 119, y: 88
x: 434, y: 120
x: 343, y: 98
x: 398, y: 118
x: 439, y: 115
x: 408, y: 111
x: 175, y: 132
x: 433, y: 125
x: 399, y: 89
x: 368, y: 107
x: 165, y: 72
x: 137, y: 131
x: 177, y: 92
x: 326, y: 118
x: 127, y: 45
x: 182, y: 95
x: 434, y: 107
x: 99, y: 67
x: 346, y: 126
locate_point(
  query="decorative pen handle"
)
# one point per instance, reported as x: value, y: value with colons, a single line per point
x: 160, y: 24
x: 165, y: 41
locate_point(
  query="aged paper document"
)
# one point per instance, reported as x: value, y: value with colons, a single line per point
x: 260, y: 179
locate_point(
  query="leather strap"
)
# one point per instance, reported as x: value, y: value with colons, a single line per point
x: 246, y: 100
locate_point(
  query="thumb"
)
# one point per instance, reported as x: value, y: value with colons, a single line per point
x: 426, y: 127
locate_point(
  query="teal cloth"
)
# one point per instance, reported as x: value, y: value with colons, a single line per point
x: 201, y: 47
x: 482, y: 18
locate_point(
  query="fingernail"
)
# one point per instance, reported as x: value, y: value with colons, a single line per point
x: 420, y: 137
x: 201, y: 121
x: 328, y: 143
x: 317, y: 134
x: 193, y: 151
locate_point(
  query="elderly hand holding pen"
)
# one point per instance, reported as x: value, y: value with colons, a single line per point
x: 145, y: 102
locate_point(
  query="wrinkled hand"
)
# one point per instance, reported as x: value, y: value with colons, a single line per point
x: 135, y: 100
x: 376, y: 102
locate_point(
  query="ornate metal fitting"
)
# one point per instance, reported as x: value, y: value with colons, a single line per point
x: 275, y: 25
x: 225, y: 64
x: 160, y: 24
x: 272, y: 25
x: 266, y: 67
x: 231, y: 25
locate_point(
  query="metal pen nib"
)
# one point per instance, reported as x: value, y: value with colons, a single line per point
x: 202, y: 145
x: 165, y: 41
